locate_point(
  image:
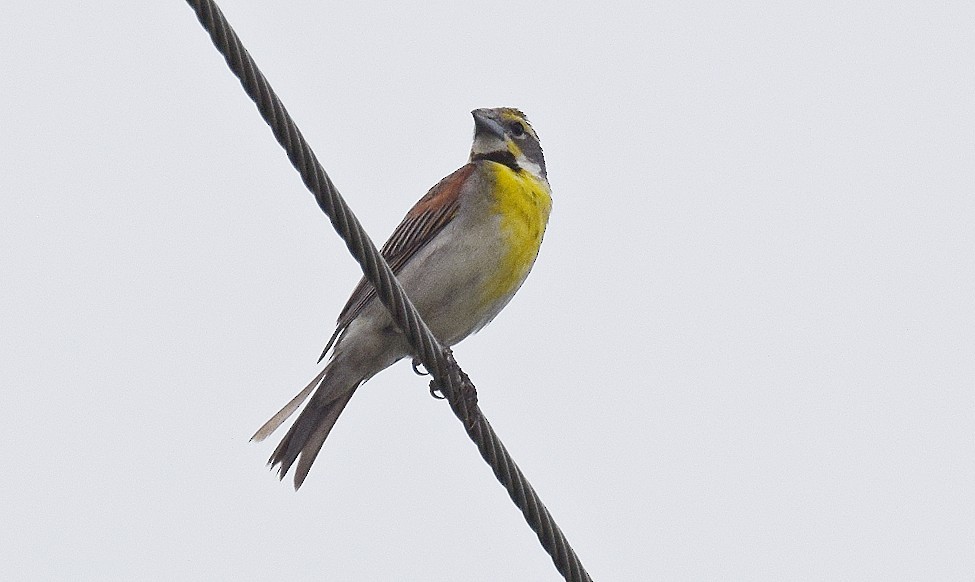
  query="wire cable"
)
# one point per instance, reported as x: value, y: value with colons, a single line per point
x: 448, y: 378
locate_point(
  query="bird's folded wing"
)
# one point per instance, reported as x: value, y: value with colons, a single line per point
x: 422, y: 223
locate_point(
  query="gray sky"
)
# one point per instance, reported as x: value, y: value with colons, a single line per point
x: 745, y: 352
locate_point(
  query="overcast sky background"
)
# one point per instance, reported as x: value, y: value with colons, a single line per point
x: 745, y: 352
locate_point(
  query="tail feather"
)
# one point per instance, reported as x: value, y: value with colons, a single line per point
x: 313, y: 444
x: 335, y: 386
x: 272, y: 425
x: 306, y: 437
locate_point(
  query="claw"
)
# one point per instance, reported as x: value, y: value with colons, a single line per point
x: 416, y: 368
x: 436, y: 392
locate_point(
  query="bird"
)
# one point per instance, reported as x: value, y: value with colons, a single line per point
x: 460, y: 253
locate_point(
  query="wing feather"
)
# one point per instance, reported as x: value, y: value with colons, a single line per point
x: 422, y: 223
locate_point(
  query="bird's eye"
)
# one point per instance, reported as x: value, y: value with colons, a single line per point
x: 517, y: 129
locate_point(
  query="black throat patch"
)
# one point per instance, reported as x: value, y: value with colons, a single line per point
x: 502, y: 157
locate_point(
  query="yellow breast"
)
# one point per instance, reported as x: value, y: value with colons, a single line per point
x: 523, y: 203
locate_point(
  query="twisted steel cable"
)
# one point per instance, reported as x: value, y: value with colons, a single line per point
x: 448, y: 378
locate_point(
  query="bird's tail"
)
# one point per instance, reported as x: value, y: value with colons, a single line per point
x: 304, y: 439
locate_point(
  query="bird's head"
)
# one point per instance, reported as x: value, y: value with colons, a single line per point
x: 503, y: 135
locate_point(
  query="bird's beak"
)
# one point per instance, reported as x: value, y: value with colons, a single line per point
x: 485, y: 124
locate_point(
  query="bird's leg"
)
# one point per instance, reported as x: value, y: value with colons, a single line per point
x: 464, y: 402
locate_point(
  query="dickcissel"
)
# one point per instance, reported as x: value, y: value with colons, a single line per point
x: 460, y: 253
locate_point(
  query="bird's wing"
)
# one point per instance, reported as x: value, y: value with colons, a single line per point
x: 422, y: 223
